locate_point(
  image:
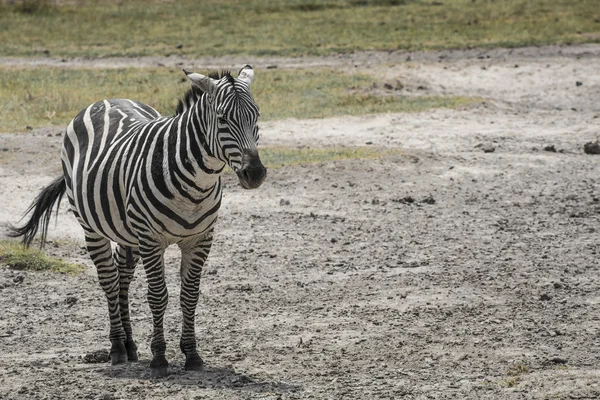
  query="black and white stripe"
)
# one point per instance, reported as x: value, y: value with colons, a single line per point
x: 145, y: 182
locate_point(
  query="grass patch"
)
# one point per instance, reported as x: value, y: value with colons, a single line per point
x: 16, y: 256
x: 325, y: 93
x: 37, y: 97
x: 286, y: 27
x: 276, y: 157
x: 514, y: 375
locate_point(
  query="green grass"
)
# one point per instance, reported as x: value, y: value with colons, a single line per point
x: 287, y: 27
x: 38, y: 97
x: 276, y: 157
x: 16, y: 256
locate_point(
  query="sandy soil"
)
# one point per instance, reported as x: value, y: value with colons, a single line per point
x: 445, y: 272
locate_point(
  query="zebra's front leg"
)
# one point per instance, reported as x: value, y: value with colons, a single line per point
x: 126, y: 258
x: 108, y: 275
x: 193, y: 256
x: 158, y: 297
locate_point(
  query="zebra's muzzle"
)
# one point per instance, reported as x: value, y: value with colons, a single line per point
x: 253, y: 172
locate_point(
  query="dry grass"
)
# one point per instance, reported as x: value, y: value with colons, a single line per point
x: 37, y: 97
x: 292, y: 28
x: 276, y: 157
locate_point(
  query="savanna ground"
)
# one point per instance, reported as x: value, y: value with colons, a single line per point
x: 443, y: 246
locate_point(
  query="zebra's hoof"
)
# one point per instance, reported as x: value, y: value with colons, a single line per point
x: 194, y: 363
x: 159, y: 372
x: 132, y: 355
x: 158, y: 367
x: 118, y: 358
x: 118, y: 353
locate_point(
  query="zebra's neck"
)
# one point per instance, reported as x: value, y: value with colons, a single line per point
x: 191, y: 161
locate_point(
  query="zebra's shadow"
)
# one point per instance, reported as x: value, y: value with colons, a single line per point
x: 211, y: 377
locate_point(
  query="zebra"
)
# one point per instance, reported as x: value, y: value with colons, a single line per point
x: 143, y: 182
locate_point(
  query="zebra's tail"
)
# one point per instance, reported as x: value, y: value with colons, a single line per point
x: 42, y: 211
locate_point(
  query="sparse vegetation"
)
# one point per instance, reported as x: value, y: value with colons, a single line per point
x: 274, y: 157
x: 291, y: 28
x: 514, y: 373
x: 36, y: 97
x: 16, y: 256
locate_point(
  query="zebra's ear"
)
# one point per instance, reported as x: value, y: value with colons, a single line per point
x: 246, y: 74
x: 207, y: 84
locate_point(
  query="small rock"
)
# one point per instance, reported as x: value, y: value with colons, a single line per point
x: 179, y: 46
x: 404, y: 200
x: 428, y: 200
x: 558, y: 360
x: 388, y: 86
x: 591, y: 148
x: 284, y: 202
x: 558, y: 285
x: 18, y: 279
x: 578, y: 83
x: 369, y: 142
x: 71, y: 300
x: 550, y: 148
x: 545, y: 297
x: 487, y: 148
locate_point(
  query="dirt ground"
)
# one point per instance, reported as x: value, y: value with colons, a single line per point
x: 447, y: 271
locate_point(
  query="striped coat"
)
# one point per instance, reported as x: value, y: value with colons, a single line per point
x: 143, y: 181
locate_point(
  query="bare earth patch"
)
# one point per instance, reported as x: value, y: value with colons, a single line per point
x: 441, y: 271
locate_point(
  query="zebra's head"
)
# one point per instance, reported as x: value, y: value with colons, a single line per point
x: 236, y: 135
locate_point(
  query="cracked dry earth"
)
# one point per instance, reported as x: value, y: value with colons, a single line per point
x: 440, y: 271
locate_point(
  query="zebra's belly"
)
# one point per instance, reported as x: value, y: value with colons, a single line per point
x: 110, y: 222
x: 176, y: 233
x: 173, y: 220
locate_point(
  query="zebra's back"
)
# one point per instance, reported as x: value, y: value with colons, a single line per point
x: 98, y: 158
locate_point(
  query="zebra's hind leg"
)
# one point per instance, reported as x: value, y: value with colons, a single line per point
x: 101, y: 253
x: 158, y: 297
x: 126, y: 259
x: 193, y: 256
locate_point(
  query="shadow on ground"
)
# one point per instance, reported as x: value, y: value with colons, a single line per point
x: 212, y: 377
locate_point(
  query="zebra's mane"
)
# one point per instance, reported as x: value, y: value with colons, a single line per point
x: 194, y: 92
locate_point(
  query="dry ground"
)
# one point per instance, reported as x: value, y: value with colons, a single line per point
x: 485, y: 286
